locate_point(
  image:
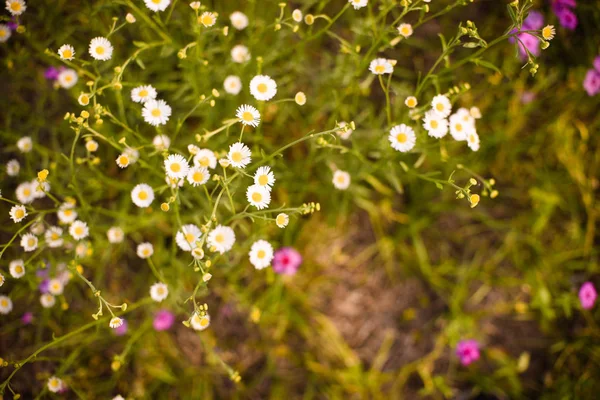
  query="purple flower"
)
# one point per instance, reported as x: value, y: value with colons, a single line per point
x: 13, y: 25
x: 44, y: 286
x: 527, y: 97
x: 587, y: 295
x: 163, y: 320
x: 591, y: 83
x: 529, y: 42
x: 121, y: 330
x: 51, y: 74
x: 597, y: 63
x: 286, y: 261
x: 564, y: 3
x: 27, y: 318
x: 467, y: 351
x: 534, y: 21
x: 567, y: 18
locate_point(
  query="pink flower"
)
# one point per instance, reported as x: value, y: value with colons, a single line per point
x: 286, y: 261
x: 587, y: 295
x: 121, y: 330
x: 591, y: 83
x: 597, y: 63
x: 567, y: 18
x: 467, y: 351
x: 163, y: 320
x: 27, y: 318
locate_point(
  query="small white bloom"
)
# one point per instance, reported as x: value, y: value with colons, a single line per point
x: 145, y: 250
x: 345, y: 132
x: 38, y: 228
x: 54, y: 237
x: 258, y: 196
x: 115, y: 234
x: 6, y: 304
x: 435, y: 125
x: 39, y: 189
x: 29, y: 242
x: 91, y: 146
x: 264, y: 177
x: 157, y: 5
x: 66, y: 52
x: 67, y: 78
x: 405, y: 30
x: 341, y: 179
x: 13, y: 167
x: 207, y: 19
x: 115, y: 322
x: 130, y: 18
x: 262, y: 87
x: 79, y: 230
x: 176, y: 166
x: 357, y: 4
x: 473, y: 140
x: 55, y: 287
x: 55, y: 384
x: 222, y: 238
x: 198, y: 253
x: 25, y: 193
x: 2, y: 279
x: 282, y: 220
x: 411, y: 102
x: 187, y: 237
x: 205, y: 158
x: 240, y: 54
x: 101, y: 49
x: 195, y: 5
x: 441, y: 105
x: 16, y: 7
x: 18, y: 213
x: 198, y: 176
x: 142, y: 94
x: 232, y: 84
x: 239, y: 155
x: 156, y: 112
x: 461, y: 124
x: 142, y: 195
x: 159, y: 292
x: 261, y: 254
x: 200, y: 322
x: 16, y: 268
x: 66, y: 214
x: 297, y: 15
x: 380, y: 66
x: 47, y: 300
x: 123, y: 160
x: 161, y: 142
x: 5, y: 33
x: 248, y: 115
x: 402, y: 138
x: 300, y: 98
x: 475, y: 112
x: 239, y: 20
x: 25, y: 144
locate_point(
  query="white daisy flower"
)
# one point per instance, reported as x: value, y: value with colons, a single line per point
x: 79, y: 230
x: 297, y: 15
x: 402, y: 138
x: 2, y: 279
x: 222, y: 238
x: 54, y: 237
x: 123, y: 160
x: 25, y: 144
x: 55, y: 287
x: 239, y: 20
x: 156, y: 112
x: 341, y: 179
x: 346, y: 132
x: 82, y: 248
x: 187, y: 237
x: 157, y: 5
x: 55, y: 384
x: 142, y: 195
x: 145, y: 250
x: 37, y: 228
x: 441, y: 105
x: 475, y: 112
x: 232, y: 84
x: 66, y: 52
x: 161, y: 142
x: 195, y: 5
x: 47, y: 300
x: 205, y: 158
x: 159, y: 292
x: 473, y: 140
x: 380, y: 66
x: 239, y: 155
x: 435, y: 125
x: 176, y: 166
x: 84, y: 99
x: 115, y: 234
x: 262, y: 87
x: 248, y: 115
x: 264, y: 177
x: 461, y: 124
x: 66, y: 214
x: 258, y: 196
x: 261, y: 254
x: 405, y: 30
x: 25, y: 193
x: 6, y: 304
x: 13, y: 168
x: 198, y: 176
x: 16, y: 7
x: 411, y: 102
x: 240, y: 54
x: 115, y: 322
x: 18, y: 213
x: 29, y: 242
x: 5, y: 33
x: 198, y: 253
x: 357, y: 4
x: 200, y: 322
x: 39, y: 189
x: 300, y: 98
x: 282, y: 220
x: 207, y: 19
x: 130, y: 18
x: 101, y: 49
x: 142, y: 94
x: 16, y: 268
x: 67, y: 78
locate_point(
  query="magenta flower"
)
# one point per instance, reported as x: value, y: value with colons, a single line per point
x: 534, y: 21
x: 567, y: 18
x: 597, y: 64
x: 163, y: 320
x: 121, y: 330
x: 587, y: 295
x: 27, y: 318
x: 51, y: 74
x: 591, y: 83
x: 467, y: 351
x: 44, y: 286
x: 286, y: 261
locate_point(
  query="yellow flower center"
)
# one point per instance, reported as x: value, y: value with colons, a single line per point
x: 341, y: 179
x: 401, y: 138
x: 236, y: 157
x: 280, y: 220
x: 2, y: 33
x: 207, y: 19
x: 156, y: 112
x: 405, y: 30
x: 160, y: 290
x: 204, y: 161
x: 261, y: 254
x: 26, y: 192
x: 143, y: 195
x: 439, y: 107
x: 15, y: 6
x: 79, y: 230
x: 472, y: 138
x: 19, y: 213
x: 247, y: 116
x: 380, y: 69
x: 68, y: 78
x: 31, y: 242
x: 434, y: 124
x: 256, y: 197
x: 458, y: 127
x: 146, y: 252
x: 263, y: 180
x: 262, y: 87
x: 198, y: 176
x: 143, y: 93
x: 67, y: 53
x: 411, y: 102
x: 19, y: 269
x: 219, y: 238
x: 54, y: 236
x: 68, y: 212
x: 175, y: 167
x: 190, y: 237
x: 204, y: 322
x: 156, y: 1
x: 4, y: 303
x: 100, y: 50
x: 123, y: 160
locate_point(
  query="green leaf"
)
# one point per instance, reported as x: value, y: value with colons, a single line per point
x: 140, y: 63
